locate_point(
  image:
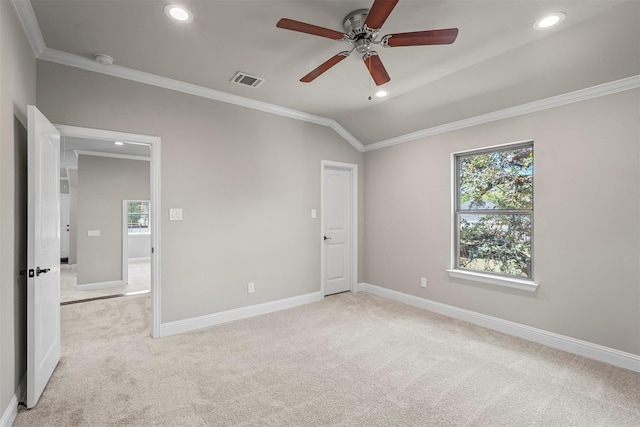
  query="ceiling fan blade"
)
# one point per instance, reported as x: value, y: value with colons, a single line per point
x: 420, y: 38
x: 324, y: 67
x: 380, y: 11
x: 302, y: 27
x: 375, y: 67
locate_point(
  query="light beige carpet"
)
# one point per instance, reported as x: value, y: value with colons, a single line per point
x: 350, y: 360
x: 139, y: 279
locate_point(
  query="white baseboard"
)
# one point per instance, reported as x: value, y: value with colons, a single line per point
x: 186, y: 325
x: 583, y: 348
x: 11, y: 411
x: 100, y: 285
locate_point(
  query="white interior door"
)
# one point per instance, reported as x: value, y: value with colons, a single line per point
x: 64, y: 225
x: 43, y: 254
x: 337, y: 211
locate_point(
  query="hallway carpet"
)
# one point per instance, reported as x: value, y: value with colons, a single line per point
x: 139, y: 279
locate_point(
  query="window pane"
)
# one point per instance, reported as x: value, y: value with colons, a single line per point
x: 497, y: 180
x: 496, y: 243
x: 138, y: 217
x: 139, y: 207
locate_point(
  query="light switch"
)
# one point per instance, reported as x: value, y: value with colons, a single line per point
x: 93, y: 233
x: 175, y: 214
x: 314, y: 213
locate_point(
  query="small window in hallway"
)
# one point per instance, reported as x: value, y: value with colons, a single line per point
x: 138, y: 218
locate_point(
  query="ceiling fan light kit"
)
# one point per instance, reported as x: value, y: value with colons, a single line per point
x: 361, y: 31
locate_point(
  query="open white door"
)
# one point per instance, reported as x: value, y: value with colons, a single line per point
x: 43, y: 254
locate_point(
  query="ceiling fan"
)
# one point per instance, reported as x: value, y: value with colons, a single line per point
x: 361, y: 30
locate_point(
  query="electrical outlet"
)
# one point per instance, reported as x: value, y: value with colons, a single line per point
x: 251, y: 288
x: 423, y: 282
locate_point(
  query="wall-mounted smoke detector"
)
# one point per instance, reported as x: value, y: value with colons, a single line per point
x: 103, y: 59
x: 245, y: 79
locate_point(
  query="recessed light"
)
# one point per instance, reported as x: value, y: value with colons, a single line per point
x: 178, y: 13
x: 382, y: 93
x: 549, y: 21
x: 119, y: 143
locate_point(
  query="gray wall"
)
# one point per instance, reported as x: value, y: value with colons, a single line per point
x: 103, y: 183
x: 246, y: 180
x: 17, y: 89
x: 587, y: 216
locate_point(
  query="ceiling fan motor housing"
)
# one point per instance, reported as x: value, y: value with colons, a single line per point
x: 357, y: 33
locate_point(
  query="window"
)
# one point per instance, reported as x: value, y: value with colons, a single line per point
x: 138, y: 217
x: 494, y: 211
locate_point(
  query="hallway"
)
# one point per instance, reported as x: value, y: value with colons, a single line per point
x: 139, y: 281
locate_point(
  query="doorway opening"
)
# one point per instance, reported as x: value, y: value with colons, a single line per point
x: 103, y: 225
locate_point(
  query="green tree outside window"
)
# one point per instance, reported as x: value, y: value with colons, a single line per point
x: 138, y: 217
x: 495, y: 211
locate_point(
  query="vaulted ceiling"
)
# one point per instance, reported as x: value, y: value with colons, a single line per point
x: 498, y: 60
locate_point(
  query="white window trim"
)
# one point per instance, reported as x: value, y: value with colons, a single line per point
x: 472, y: 275
x: 509, y: 282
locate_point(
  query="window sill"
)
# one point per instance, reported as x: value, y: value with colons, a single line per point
x: 526, y: 285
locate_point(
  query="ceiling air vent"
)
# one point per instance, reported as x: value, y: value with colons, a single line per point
x: 245, y: 79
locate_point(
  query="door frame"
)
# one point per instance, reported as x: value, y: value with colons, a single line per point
x: 125, y: 235
x: 352, y: 169
x: 154, y: 144
x: 65, y: 206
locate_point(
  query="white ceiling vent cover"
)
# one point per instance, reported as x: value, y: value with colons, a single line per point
x: 245, y: 79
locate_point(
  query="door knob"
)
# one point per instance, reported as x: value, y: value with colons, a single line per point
x: 327, y: 238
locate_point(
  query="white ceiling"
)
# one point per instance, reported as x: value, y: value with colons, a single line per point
x: 498, y: 60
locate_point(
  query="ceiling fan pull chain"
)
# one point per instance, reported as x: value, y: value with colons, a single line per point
x: 369, y: 80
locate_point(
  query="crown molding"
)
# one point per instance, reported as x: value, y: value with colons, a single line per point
x: 27, y: 18
x: 616, y: 86
x: 72, y: 60
x: 29, y: 22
